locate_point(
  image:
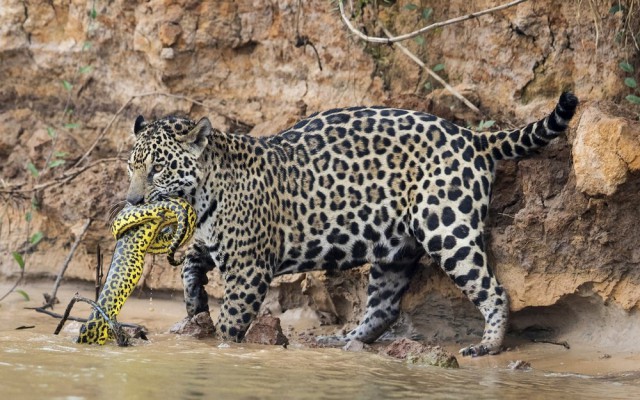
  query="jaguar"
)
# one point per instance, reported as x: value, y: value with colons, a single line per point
x: 337, y: 190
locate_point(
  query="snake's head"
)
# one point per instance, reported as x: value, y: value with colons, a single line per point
x: 165, y: 160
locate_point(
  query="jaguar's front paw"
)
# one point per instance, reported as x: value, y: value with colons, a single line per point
x: 478, y: 350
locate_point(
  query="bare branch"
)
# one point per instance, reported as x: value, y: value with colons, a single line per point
x: 121, y: 109
x: 51, y: 299
x: 66, y: 177
x: 433, y: 74
x: 393, y: 39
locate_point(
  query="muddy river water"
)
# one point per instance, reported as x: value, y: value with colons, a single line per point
x: 35, y: 364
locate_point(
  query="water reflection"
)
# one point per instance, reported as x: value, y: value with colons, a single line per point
x: 34, y: 364
x: 45, y: 366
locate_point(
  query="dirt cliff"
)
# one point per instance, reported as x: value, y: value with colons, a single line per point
x: 563, y: 224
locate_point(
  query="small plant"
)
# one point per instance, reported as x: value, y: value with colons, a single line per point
x: 482, y: 125
x: 630, y: 82
x: 428, y: 86
x: 425, y: 14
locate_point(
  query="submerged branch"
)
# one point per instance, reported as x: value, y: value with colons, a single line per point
x: 121, y: 336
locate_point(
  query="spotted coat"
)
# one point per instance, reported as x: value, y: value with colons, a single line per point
x: 337, y: 190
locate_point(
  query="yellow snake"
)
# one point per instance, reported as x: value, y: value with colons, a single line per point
x: 158, y: 227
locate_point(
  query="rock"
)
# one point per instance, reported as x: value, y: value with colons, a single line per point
x: 520, y: 365
x: 266, y: 330
x: 136, y: 332
x: 605, y: 151
x: 168, y: 33
x: 199, y: 326
x: 417, y: 353
x: 354, y: 345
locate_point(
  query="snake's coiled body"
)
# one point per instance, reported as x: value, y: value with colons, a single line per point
x: 158, y: 227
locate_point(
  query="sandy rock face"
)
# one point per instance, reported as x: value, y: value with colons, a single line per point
x: 606, y: 151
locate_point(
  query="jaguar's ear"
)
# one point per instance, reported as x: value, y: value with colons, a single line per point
x: 138, y: 125
x: 198, y: 137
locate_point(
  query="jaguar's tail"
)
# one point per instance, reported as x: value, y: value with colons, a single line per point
x: 504, y: 145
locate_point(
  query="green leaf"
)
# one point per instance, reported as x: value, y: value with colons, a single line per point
x: 85, y: 69
x: 23, y: 293
x: 437, y: 67
x: 411, y: 7
x: 632, y: 98
x: 86, y: 46
x: 428, y: 86
x: 56, y: 163
x: 626, y: 67
x: 426, y: 13
x: 60, y: 154
x: 615, y: 9
x: 487, y: 124
x: 28, y: 216
x: 34, y: 203
x: 67, y: 85
x: 51, y: 132
x: 18, y: 257
x: 32, y: 168
x: 93, y: 13
x: 630, y: 82
x: 419, y: 40
x: 72, y: 126
x: 36, y: 238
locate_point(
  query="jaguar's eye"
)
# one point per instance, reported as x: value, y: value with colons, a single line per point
x: 158, y: 168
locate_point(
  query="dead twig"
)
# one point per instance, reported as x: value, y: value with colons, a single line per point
x: 304, y: 41
x: 435, y: 76
x: 564, y: 343
x: 390, y: 39
x: 66, y: 177
x: 104, y: 130
x: 15, y: 285
x: 51, y: 298
x: 393, y: 39
x: 121, y: 336
x: 78, y: 319
x: 98, y: 272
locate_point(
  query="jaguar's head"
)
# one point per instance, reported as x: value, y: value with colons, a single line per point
x: 165, y: 158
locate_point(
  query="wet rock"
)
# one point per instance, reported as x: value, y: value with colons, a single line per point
x: 200, y: 326
x: 136, y: 332
x: 520, y: 365
x: 605, y: 151
x: 266, y: 330
x: 355, y: 346
x: 417, y: 353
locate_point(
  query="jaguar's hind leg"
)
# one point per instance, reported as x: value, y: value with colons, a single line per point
x: 459, y: 250
x: 387, y: 284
